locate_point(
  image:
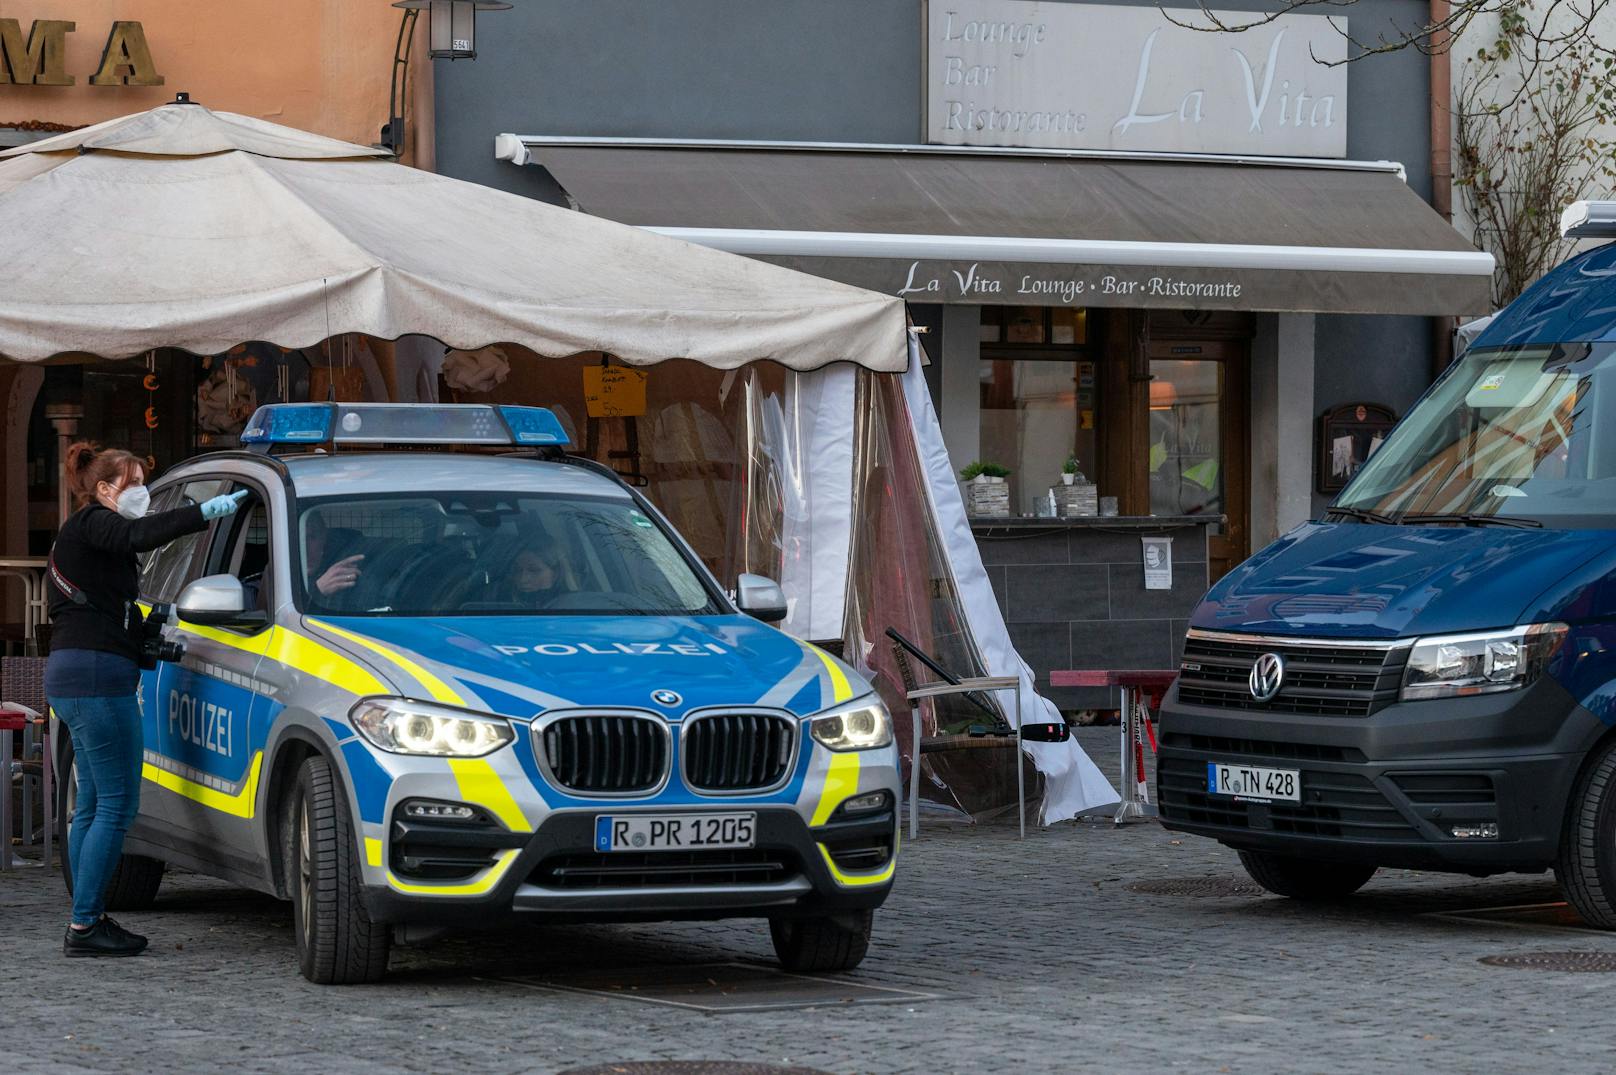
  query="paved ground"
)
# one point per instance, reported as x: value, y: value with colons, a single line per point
x: 1044, y: 959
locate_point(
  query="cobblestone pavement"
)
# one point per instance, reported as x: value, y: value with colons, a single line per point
x: 1044, y: 958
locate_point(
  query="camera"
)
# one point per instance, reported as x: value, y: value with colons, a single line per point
x: 153, y: 646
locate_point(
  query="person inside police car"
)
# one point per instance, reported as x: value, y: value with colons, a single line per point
x: 328, y: 572
x: 93, y: 672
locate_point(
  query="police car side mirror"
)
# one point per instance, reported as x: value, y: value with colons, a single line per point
x: 760, y: 597
x: 216, y: 601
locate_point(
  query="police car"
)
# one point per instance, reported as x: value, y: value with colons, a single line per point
x: 441, y: 686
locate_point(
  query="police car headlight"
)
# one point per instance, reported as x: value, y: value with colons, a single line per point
x: 1453, y: 666
x: 864, y: 725
x: 401, y: 726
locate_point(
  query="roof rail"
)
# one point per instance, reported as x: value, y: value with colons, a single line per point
x: 1588, y: 220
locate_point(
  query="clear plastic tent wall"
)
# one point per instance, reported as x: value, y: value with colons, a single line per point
x: 836, y: 483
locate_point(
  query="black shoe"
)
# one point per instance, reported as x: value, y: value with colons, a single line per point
x: 105, y: 938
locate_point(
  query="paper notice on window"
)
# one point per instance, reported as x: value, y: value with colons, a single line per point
x: 614, y: 392
x: 1158, y: 555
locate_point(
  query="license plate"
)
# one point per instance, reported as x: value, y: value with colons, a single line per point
x: 1253, y: 782
x: 673, y: 832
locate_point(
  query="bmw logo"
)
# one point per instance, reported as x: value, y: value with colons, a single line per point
x: 666, y: 699
x: 1267, y: 677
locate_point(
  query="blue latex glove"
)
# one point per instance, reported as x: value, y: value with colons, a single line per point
x: 224, y: 505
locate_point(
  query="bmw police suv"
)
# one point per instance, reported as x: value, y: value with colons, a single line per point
x: 443, y: 687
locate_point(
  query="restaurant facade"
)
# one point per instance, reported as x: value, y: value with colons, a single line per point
x: 1174, y: 284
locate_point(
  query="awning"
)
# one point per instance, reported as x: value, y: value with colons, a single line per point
x: 999, y: 228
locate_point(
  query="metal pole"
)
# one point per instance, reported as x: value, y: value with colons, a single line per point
x: 5, y: 799
x: 914, y: 772
x: 50, y: 802
x: 1021, y: 777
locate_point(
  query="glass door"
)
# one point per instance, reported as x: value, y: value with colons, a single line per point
x: 1198, y: 443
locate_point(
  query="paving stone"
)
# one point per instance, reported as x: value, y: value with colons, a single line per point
x: 1044, y: 959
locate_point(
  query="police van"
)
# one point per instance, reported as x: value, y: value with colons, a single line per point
x: 478, y: 679
x: 1427, y: 677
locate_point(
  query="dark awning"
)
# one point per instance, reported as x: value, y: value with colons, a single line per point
x: 942, y: 226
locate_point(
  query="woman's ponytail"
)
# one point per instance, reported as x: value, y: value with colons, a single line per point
x: 88, y: 466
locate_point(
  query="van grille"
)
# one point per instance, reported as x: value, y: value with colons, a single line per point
x: 1322, y: 679
x: 736, y: 751
x: 1341, y: 805
x: 607, y: 752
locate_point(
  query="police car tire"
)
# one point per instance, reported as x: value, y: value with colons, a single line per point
x: 1586, y: 868
x: 822, y: 944
x: 135, y: 880
x: 346, y: 947
x: 1305, y: 879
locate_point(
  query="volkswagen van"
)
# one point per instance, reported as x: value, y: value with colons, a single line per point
x: 480, y: 679
x: 1426, y: 676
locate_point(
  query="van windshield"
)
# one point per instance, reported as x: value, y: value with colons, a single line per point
x: 1525, y: 433
x: 491, y: 554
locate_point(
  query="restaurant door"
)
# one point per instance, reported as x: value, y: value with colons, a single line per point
x: 1199, y: 460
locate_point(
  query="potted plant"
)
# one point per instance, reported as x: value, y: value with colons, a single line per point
x: 986, y: 492
x: 1069, y: 471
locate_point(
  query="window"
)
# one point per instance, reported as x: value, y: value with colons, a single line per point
x: 169, y: 568
x: 243, y: 550
x: 495, y: 553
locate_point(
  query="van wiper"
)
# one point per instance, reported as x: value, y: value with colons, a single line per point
x: 1363, y: 515
x: 1472, y: 519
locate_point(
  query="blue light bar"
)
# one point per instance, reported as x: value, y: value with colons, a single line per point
x: 289, y: 423
x: 535, y: 426
x: 404, y: 423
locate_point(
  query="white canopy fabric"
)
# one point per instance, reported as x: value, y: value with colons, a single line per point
x: 182, y: 227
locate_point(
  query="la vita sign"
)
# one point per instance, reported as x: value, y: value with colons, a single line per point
x: 40, y: 58
x: 1094, y: 76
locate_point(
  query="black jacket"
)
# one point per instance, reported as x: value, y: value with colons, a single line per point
x: 96, y: 552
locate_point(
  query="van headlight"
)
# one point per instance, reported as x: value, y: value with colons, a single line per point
x: 1453, y: 666
x: 402, y: 726
x: 864, y: 725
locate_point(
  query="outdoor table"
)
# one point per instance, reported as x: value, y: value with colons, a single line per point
x: 1135, y: 684
x: 31, y: 569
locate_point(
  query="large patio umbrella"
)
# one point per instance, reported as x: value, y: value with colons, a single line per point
x: 182, y: 227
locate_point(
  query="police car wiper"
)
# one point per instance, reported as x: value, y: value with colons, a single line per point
x: 1472, y: 519
x: 1363, y: 515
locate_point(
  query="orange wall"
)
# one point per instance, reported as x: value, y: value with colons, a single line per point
x: 320, y: 65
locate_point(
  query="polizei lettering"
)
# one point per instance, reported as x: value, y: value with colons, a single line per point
x: 616, y: 649
x: 203, y: 723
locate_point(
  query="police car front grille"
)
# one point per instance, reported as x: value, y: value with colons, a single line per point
x: 737, y: 751
x: 1321, y: 678
x: 606, y: 752
x: 654, y: 869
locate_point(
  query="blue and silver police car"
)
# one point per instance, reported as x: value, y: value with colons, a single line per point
x: 1426, y: 678
x: 441, y: 687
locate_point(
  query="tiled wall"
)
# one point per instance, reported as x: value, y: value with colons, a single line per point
x: 1075, y: 597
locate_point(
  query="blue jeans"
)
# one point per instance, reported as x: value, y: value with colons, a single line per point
x: 107, y: 747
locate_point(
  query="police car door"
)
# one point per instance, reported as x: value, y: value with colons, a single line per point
x: 210, y: 766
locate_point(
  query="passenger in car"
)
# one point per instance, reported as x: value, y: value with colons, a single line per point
x: 533, y: 579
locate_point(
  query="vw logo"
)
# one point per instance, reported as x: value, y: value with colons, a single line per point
x: 1267, y: 676
x: 667, y: 699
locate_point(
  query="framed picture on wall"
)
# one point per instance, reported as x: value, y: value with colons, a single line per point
x: 1347, y: 436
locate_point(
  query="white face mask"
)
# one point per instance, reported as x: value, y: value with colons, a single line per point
x: 133, y: 502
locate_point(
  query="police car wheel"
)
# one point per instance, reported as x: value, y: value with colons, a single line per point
x: 822, y: 944
x: 337, y: 943
x: 1305, y: 879
x: 1586, y: 868
x: 136, y: 878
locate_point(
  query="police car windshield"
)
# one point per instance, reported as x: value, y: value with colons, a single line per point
x: 490, y: 554
x: 1523, y: 433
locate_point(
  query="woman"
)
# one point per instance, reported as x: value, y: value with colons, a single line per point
x: 533, y: 580
x: 93, y: 672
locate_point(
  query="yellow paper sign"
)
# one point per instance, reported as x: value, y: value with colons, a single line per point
x: 614, y: 392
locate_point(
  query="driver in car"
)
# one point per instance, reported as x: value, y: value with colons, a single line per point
x: 533, y: 579
x: 329, y: 578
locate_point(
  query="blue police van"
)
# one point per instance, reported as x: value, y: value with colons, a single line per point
x: 1426, y: 677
